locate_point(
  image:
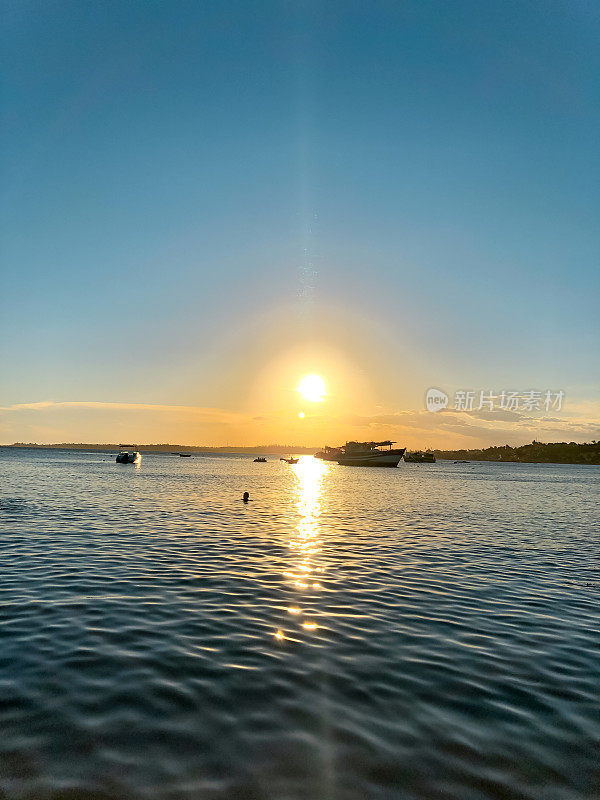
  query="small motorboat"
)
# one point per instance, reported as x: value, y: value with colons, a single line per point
x: 260, y: 460
x: 185, y: 455
x: 289, y: 460
x: 129, y: 457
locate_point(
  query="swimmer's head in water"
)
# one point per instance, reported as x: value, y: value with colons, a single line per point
x: 246, y: 497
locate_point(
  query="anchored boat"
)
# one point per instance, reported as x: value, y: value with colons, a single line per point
x: 418, y: 457
x: 127, y: 457
x: 368, y: 454
x: 329, y: 453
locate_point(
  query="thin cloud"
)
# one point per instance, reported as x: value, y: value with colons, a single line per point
x: 470, y: 424
x: 209, y: 414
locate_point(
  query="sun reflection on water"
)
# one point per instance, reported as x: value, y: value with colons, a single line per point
x: 305, y: 544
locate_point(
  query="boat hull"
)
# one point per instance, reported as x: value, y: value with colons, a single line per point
x: 381, y: 459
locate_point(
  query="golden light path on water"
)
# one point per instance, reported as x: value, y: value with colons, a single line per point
x: 305, y: 544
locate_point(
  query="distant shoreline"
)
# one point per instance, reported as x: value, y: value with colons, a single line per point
x: 534, y: 453
x: 274, y: 449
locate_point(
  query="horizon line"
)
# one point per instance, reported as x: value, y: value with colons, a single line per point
x: 288, y: 447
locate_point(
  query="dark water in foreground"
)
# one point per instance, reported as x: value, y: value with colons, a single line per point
x: 425, y: 632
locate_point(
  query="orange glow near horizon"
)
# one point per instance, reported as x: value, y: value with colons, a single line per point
x: 305, y: 396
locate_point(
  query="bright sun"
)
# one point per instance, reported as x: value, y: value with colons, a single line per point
x: 312, y: 388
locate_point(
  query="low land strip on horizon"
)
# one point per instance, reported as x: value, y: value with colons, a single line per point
x: 534, y: 453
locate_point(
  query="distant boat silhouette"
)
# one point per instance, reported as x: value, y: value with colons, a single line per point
x: 329, y: 453
x: 419, y: 457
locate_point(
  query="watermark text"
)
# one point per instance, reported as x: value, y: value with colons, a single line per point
x: 488, y: 400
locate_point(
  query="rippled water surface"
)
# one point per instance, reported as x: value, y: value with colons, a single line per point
x: 425, y: 632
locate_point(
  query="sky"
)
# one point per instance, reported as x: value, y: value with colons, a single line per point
x: 203, y: 202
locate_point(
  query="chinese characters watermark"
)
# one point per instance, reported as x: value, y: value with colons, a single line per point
x: 487, y: 400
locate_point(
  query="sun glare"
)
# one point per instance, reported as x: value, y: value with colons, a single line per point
x: 312, y: 388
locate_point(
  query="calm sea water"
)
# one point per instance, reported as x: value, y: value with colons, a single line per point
x: 425, y: 632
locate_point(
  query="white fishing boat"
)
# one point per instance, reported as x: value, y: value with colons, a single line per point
x: 368, y: 454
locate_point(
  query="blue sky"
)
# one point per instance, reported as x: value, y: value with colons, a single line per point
x: 192, y: 190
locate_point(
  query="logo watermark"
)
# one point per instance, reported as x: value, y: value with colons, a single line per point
x: 436, y: 400
x: 487, y: 400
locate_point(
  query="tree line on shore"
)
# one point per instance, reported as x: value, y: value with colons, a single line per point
x: 536, y: 452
